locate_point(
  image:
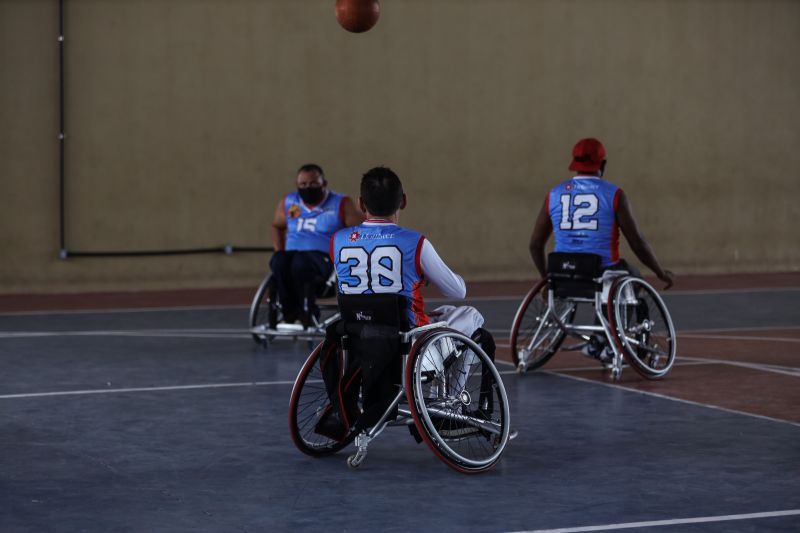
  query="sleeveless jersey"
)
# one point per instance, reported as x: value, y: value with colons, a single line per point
x: 378, y: 257
x: 583, y: 212
x: 310, y: 228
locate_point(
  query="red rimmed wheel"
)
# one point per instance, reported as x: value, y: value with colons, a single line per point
x: 457, y: 400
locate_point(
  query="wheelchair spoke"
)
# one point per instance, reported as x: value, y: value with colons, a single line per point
x: 647, y: 347
x: 644, y: 328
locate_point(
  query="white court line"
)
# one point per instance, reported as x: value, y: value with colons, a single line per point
x: 432, y: 300
x: 740, y: 328
x: 125, y: 310
x: 596, y: 368
x: 671, y: 398
x: 736, y: 337
x: 671, y: 522
x: 149, y: 389
x: 784, y: 370
x: 702, y: 331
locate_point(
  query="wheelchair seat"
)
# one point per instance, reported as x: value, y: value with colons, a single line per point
x: 574, y: 275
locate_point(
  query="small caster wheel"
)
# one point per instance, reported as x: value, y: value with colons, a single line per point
x: 354, y: 461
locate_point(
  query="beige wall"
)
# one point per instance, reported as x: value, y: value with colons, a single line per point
x: 186, y: 121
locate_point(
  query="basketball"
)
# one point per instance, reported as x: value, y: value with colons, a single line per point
x: 357, y: 16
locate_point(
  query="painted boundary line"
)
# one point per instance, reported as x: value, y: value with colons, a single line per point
x: 775, y: 369
x: 243, y: 332
x: 431, y: 300
x: 689, y: 332
x: 671, y: 398
x: 736, y: 337
x: 148, y: 389
x: 672, y: 522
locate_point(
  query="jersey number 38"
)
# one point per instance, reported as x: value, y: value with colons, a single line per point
x: 380, y: 270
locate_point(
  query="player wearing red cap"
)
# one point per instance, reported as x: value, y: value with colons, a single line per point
x: 586, y: 214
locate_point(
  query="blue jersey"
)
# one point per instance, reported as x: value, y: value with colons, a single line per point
x: 379, y: 257
x: 583, y: 211
x: 310, y: 228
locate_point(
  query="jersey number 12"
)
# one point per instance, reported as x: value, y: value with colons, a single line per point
x: 586, y: 205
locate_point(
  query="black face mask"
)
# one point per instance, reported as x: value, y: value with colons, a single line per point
x: 311, y: 195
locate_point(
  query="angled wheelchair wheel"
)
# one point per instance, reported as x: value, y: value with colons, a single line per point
x: 457, y: 400
x: 535, y: 335
x: 308, y: 403
x: 263, y: 309
x: 642, y: 326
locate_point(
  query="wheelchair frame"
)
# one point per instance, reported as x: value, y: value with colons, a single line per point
x: 264, y: 334
x: 614, y: 284
x: 410, y: 412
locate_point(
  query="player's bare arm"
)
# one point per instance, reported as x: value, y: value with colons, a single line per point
x: 352, y: 216
x: 279, y: 228
x: 639, y: 245
x: 541, y: 232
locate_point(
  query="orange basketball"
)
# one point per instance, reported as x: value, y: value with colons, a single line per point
x: 357, y: 16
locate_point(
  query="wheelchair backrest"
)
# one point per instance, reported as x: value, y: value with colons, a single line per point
x: 370, y: 329
x: 573, y: 275
x: 375, y: 309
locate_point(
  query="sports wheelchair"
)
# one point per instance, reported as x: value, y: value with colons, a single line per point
x: 628, y: 311
x: 266, y: 315
x: 372, y: 372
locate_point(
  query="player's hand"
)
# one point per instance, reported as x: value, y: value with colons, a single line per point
x: 668, y: 278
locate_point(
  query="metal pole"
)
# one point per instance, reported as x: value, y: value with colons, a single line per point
x: 62, y: 253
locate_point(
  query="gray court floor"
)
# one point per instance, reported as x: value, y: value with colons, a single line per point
x: 174, y: 420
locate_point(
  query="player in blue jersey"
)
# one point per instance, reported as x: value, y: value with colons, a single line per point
x: 586, y: 214
x: 302, y: 226
x: 379, y: 256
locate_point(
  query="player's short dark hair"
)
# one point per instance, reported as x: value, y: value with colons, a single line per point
x: 381, y: 191
x: 311, y: 167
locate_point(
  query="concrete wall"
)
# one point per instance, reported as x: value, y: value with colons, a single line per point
x: 186, y: 120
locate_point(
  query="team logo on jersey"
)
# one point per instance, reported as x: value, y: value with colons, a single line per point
x: 294, y: 211
x: 568, y: 187
x: 355, y: 235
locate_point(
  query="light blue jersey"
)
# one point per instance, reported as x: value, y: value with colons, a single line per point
x: 380, y: 257
x: 583, y: 211
x: 310, y: 228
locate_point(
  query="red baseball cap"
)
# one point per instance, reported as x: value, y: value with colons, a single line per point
x: 587, y: 155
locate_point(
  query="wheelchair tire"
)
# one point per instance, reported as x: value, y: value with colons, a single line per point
x: 642, y: 327
x: 307, y: 404
x: 262, y: 309
x: 544, y: 342
x: 466, y: 425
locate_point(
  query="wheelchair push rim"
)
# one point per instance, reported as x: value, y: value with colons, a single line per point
x: 643, y: 328
x: 481, y: 431
x: 307, y: 404
x: 532, y: 341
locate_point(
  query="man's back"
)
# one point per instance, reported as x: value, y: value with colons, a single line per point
x: 583, y: 215
x: 380, y: 257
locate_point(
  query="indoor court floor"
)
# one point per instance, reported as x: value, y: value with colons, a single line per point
x: 173, y: 419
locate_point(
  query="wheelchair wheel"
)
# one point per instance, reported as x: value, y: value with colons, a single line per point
x: 642, y: 326
x: 263, y: 309
x: 535, y: 335
x: 457, y: 400
x: 308, y: 403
